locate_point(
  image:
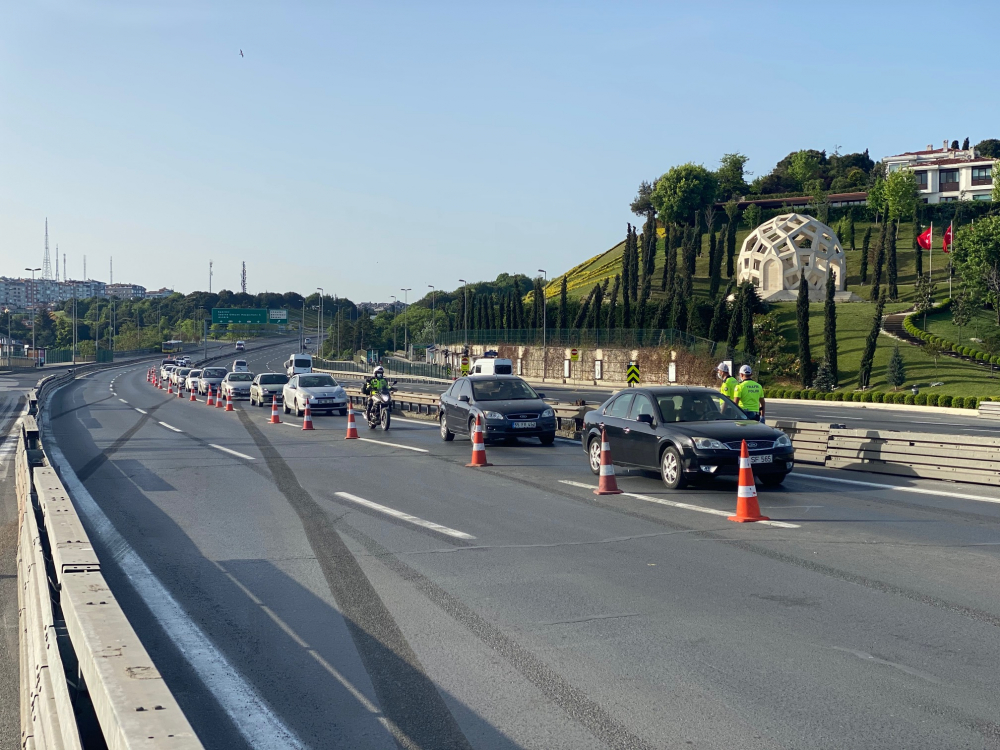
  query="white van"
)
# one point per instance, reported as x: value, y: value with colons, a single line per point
x: 298, y: 363
x: 492, y: 366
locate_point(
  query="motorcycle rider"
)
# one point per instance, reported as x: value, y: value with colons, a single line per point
x: 372, y: 387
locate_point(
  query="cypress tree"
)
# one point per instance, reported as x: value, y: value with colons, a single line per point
x: 719, y: 326
x: 890, y: 256
x: 850, y: 228
x: 664, y: 277
x: 802, y: 323
x: 613, y: 304
x: 711, y: 250
x: 563, y: 305
x: 731, y: 248
x: 671, y: 269
x: 649, y: 245
x: 895, y: 372
x: 663, y: 314
x: 626, y: 307
x: 581, y: 315
x: 865, y: 252
x: 597, y: 304
x: 736, y: 319
x: 715, y: 263
x: 678, y: 303
x: 879, y: 253
x: 627, y: 263
x: 868, y: 357
x: 830, y: 328
x: 640, y: 310
x: 694, y: 325
x: 918, y: 253
x: 633, y: 281
x: 750, y: 301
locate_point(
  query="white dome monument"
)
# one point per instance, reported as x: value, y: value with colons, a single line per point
x: 775, y: 255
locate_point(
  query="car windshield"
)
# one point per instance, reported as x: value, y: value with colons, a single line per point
x: 194, y: 373
x: 502, y: 390
x: 214, y: 372
x: 316, y: 381
x: 698, y: 407
x: 276, y: 379
x: 240, y: 377
x: 240, y: 363
x: 183, y: 371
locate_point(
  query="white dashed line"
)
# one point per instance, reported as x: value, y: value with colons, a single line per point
x: 682, y: 506
x: 123, y: 401
x: 420, y: 422
x: 395, y: 445
x: 915, y: 490
x: 141, y: 411
x: 404, y: 516
x: 171, y: 427
x: 235, y: 453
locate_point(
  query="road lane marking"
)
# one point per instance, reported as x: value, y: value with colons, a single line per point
x: 235, y: 453
x: 259, y: 726
x: 171, y: 427
x: 395, y: 445
x: 123, y: 401
x: 915, y: 490
x: 404, y: 516
x: 421, y: 422
x: 838, y: 416
x: 682, y: 506
x: 141, y: 411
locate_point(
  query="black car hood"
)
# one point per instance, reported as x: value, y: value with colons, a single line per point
x: 726, y: 430
x: 514, y: 406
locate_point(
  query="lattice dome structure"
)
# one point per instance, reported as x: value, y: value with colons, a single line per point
x: 775, y: 255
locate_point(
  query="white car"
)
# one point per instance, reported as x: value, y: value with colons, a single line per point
x: 241, y: 346
x: 321, y: 391
x: 267, y: 386
x: 298, y: 364
x: 240, y: 365
x: 165, y: 370
x: 178, y: 375
x: 236, y: 385
x: 191, y: 381
x: 211, y: 376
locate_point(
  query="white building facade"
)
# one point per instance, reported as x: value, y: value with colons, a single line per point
x: 947, y: 174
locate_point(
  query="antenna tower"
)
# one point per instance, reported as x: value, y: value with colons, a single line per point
x: 57, y: 263
x: 243, y: 277
x: 85, y: 277
x: 210, y: 264
x: 65, y: 277
x: 46, y: 261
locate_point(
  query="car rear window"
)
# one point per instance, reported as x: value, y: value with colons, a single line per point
x: 302, y: 363
x: 276, y: 379
x: 502, y: 390
x: 214, y: 372
x: 698, y: 407
x: 316, y: 381
x: 503, y: 369
x: 240, y: 363
x: 240, y: 377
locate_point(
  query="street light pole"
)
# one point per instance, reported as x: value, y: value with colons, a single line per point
x: 34, y: 311
x: 319, y: 324
x: 394, y: 313
x: 465, y: 309
x: 433, y: 323
x: 406, y: 297
x: 544, y: 325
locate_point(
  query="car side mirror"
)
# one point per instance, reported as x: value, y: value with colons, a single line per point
x: 646, y: 419
x: 541, y: 395
x: 464, y: 399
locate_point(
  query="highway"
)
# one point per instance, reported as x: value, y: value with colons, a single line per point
x: 300, y: 590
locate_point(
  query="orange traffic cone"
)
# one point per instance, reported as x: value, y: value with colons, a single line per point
x: 352, y: 428
x: 229, y: 400
x: 170, y: 388
x: 478, y: 445
x: 149, y: 373
x: 606, y: 482
x: 218, y: 398
x: 274, y: 410
x: 180, y: 390
x: 747, y: 509
x: 211, y: 399
x: 307, y: 420
x: 192, y: 396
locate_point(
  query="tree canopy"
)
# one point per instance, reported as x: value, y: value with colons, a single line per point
x: 683, y: 191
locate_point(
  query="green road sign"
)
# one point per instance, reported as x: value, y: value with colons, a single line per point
x: 225, y: 315
x: 632, y: 374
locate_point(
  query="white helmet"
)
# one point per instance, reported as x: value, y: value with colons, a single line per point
x: 745, y: 370
x: 722, y: 368
x: 378, y: 372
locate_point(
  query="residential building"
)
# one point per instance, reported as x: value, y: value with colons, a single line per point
x: 126, y: 291
x: 947, y: 174
x: 160, y: 293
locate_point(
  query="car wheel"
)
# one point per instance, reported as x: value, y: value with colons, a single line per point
x: 298, y: 411
x: 547, y: 439
x: 342, y: 412
x: 472, y: 431
x: 671, y: 469
x: 286, y: 409
x: 446, y: 434
x: 773, y: 480
x: 594, y: 455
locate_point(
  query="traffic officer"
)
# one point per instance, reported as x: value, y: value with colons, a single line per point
x: 373, y: 386
x: 750, y: 395
x: 729, y: 383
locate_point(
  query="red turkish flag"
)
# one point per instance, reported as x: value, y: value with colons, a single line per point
x: 946, y: 241
x: 924, y: 240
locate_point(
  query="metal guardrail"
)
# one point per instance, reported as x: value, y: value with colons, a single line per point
x: 989, y: 409
x: 83, y: 668
x: 809, y: 439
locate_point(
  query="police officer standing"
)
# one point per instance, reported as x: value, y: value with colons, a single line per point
x: 750, y: 395
x: 729, y: 383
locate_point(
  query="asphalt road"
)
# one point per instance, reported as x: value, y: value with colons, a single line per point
x: 376, y: 593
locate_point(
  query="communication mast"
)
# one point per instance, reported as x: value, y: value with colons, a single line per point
x: 243, y: 277
x: 210, y: 264
x: 57, y: 263
x: 85, y: 277
x: 46, y: 261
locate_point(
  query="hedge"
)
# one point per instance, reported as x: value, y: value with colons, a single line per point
x: 944, y: 400
x: 921, y: 399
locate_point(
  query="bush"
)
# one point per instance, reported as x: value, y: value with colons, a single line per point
x: 850, y: 396
x: 944, y: 400
x: 910, y: 399
x: 838, y: 396
x: 956, y: 348
x: 796, y: 394
x: 878, y: 397
x: 921, y: 399
x: 932, y: 399
x: 866, y: 397
x: 958, y: 402
x: 972, y: 402
x: 829, y: 396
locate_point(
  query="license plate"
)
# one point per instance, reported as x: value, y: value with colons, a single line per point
x: 766, y: 459
x: 524, y: 425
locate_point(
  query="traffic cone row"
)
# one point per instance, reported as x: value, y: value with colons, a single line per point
x: 275, y: 419
x: 606, y: 482
x: 352, y: 428
x: 307, y: 420
x: 747, y: 509
x: 478, y: 445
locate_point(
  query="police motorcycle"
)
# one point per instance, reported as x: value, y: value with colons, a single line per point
x: 380, y: 412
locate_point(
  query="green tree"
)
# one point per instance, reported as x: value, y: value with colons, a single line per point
x: 933, y: 351
x: 642, y: 204
x: 976, y: 258
x: 683, y: 191
x: 866, y: 253
x: 961, y: 310
x: 830, y: 328
x: 877, y: 199
x: 805, y: 167
x: 890, y: 256
x: 895, y: 372
x: 802, y: 324
x: 918, y: 253
x: 640, y: 310
x: 900, y: 194
x: 923, y: 292
x: 996, y: 183
x: 613, y: 303
x: 731, y: 176
x: 732, y: 209
x: 879, y: 252
x: 563, y: 320
x: 736, y: 318
x: 678, y: 306
x: 824, y: 380
x: 850, y: 228
x: 750, y: 302
x: 715, y: 266
x: 868, y: 356
x: 717, y: 329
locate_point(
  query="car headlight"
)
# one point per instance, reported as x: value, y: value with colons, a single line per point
x: 703, y: 443
x: 493, y: 415
x: 782, y: 441
x: 548, y: 413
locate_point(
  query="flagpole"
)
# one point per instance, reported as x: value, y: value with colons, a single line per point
x: 951, y: 236
x: 930, y: 253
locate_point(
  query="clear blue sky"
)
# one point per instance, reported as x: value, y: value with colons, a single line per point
x: 366, y: 147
